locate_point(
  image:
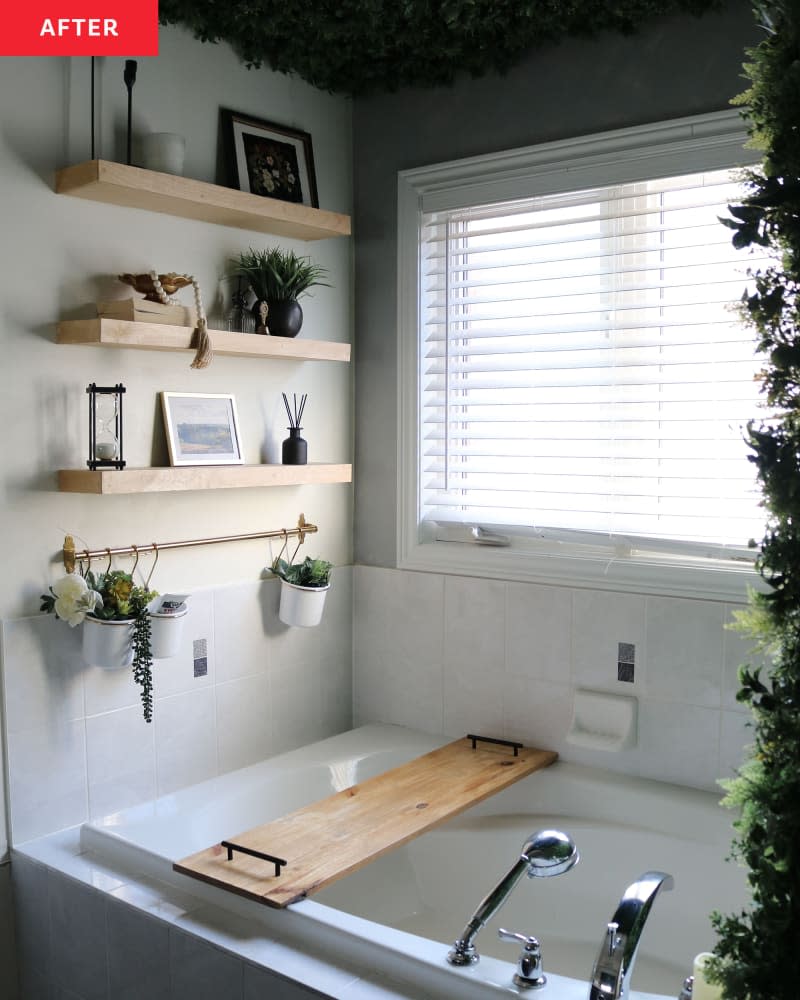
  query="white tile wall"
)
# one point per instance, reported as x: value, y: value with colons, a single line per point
x: 452, y: 654
x: 77, y: 745
x: 398, y: 648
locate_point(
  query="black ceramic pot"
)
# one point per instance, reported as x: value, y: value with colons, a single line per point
x: 285, y: 317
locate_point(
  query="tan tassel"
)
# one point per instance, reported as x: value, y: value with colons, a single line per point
x: 202, y: 344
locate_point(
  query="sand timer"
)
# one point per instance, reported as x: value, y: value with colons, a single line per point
x: 105, y: 426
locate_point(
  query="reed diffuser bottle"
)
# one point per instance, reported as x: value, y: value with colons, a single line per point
x: 295, y: 447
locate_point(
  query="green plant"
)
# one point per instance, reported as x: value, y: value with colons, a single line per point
x: 757, y: 954
x: 110, y: 596
x: 364, y: 46
x: 278, y: 275
x: 309, y: 573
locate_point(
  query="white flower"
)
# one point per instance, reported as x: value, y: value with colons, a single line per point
x: 70, y: 587
x: 74, y: 599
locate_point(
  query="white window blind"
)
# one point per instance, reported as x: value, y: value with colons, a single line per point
x: 583, y: 370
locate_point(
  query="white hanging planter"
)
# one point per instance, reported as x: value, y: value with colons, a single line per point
x: 166, y: 631
x: 107, y: 644
x: 302, y: 606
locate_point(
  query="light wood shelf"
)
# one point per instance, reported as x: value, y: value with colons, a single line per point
x: 133, y: 187
x: 160, y: 337
x: 199, y: 477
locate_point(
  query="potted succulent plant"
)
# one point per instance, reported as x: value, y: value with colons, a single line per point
x: 116, y: 622
x: 304, y: 587
x: 278, y: 278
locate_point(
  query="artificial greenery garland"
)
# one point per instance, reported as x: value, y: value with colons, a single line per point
x: 364, y: 46
x: 758, y: 951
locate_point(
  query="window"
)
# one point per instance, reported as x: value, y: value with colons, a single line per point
x: 582, y: 379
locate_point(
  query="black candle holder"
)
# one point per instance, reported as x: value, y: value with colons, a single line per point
x: 105, y: 426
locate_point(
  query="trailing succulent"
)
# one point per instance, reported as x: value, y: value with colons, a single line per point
x: 758, y: 950
x: 110, y: 596
x: 367, y: 46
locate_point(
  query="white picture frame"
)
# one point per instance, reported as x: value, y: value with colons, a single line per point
x: 202, y: 428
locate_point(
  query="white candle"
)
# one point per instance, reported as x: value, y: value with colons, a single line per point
x: 702, y: 989
x: 105, y: 450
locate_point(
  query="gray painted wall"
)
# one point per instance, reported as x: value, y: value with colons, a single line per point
x: 679, y: 66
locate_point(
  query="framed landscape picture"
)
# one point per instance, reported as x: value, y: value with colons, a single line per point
x: 270, y: 160
x: 202, y: 428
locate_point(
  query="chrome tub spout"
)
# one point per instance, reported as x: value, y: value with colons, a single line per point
x: 548, y: 852
x: 611, y: 974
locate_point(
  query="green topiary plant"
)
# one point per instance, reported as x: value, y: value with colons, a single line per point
x: 757, y: 954
x: 364, y: 46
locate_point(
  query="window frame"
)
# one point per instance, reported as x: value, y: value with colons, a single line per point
x: 682, y: 146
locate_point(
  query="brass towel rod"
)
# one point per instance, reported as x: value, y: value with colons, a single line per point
x: 71, y: 556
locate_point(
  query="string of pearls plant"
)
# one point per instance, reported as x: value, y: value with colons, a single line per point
x: 202, y: 342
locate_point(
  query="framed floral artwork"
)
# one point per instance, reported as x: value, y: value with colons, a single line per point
x: 270, y: 160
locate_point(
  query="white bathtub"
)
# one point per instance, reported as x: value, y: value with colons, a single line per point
x: 400, y: 914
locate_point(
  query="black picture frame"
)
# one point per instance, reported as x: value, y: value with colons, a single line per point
x: 268, y: 159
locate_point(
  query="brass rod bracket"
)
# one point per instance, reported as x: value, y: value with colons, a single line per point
x: 68, y: 554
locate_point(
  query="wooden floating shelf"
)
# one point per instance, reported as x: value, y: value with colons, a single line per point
x: 133, y: 187
x: 198, y: 477
x: 160, y: 337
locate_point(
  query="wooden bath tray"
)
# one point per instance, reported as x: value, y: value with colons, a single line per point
x: 328, y: 839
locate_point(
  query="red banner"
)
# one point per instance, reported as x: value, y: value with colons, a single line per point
x: 80, y: 28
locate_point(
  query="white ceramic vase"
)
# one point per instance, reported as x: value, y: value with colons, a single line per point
x: 166, y: 632
x: 302, y: 605
x: 107, y: 644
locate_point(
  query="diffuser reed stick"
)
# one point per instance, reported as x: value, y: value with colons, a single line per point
x: 295, y: 413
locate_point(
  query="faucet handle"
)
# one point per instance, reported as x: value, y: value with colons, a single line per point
x: 612, y: 938
x: 529, y: 974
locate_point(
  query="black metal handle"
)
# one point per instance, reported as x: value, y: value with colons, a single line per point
x: 516, y: 747
x: 278, y: 862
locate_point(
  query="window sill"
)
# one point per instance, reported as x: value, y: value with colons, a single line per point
x: 666, y: 577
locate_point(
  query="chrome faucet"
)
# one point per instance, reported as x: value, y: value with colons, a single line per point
x: 548, y: 852
x: 611, y: 974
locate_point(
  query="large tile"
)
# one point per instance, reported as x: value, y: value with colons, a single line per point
x: 601, y: 620
x: 32, y: 916
x: 260, y: 983
x: 78, y: 929
x: 42, y: 673
x: 244, y: 722
x: 109, y: 690
x: 536, y: 712
x: 398, y: 648
x: 296, y: 695
x: 684, y: 650
x: 186, y: 739
x: 121, y: 762
x: 200, y: 971
x: 242, y: 613
x: 8, y: 943
x: 47, y: 785
x: 474, y: 655
x: 679, y: 743
x: 177, y: 674
x: 138, y: 954
x: 538, y: 632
